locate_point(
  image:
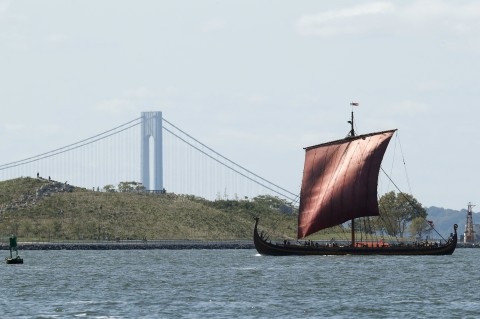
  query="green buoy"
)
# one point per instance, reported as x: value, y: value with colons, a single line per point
x: 13, y: 247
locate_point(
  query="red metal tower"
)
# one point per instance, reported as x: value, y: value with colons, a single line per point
x: 469, y: 236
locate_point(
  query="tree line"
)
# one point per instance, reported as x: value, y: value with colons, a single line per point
x: 401, y: 212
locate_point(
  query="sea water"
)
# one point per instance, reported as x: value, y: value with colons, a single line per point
x: 238, y: 284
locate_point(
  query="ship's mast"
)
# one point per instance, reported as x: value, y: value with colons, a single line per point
x: 352, y: 134
x: 352, y: 130
x: 469, y: 236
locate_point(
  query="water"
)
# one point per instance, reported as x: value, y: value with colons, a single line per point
x: 238, y: 284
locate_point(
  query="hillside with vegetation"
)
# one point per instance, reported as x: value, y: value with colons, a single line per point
x: 43, y: 210
x: 39, y: 209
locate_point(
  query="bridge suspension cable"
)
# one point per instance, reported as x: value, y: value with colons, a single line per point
x: 263, y: 180
x: 112, y: 156
x: 72, y: 146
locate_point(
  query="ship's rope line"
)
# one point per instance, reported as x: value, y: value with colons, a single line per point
x: 404, y: 164
x: 229, y: 167
x: 408, y: 200
x: 390, y: 224
x: 276, y: 221
x: 387, y: 223
x: 228, y: 160
x: 365, y: 225
x: 397, y: 141
x: 393, y: 157
x: 345, y: 235
x: 372, y: 234
x: 67, y: 147
x: 368, y: 230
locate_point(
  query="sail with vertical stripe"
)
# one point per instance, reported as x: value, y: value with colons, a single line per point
x: 340, y: 181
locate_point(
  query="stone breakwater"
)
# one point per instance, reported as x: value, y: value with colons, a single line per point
x: 133, y: 245
x: 154, y: 244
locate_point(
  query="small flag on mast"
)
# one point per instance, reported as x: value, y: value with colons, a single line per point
x: 354, y: 103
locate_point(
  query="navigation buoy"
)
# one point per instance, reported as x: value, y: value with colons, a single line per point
x: 13, y: 247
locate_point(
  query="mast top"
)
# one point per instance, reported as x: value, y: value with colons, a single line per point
x: 352, y: 130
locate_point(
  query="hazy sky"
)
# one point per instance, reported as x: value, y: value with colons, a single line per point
x: 255, y: 80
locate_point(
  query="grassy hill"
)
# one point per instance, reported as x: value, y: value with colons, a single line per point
x: 43, y: 210
x: 38, y: 209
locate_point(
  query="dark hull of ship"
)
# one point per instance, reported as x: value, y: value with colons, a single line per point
x: 271, y: 249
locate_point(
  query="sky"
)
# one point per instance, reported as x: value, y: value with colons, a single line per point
x: 255, y: 80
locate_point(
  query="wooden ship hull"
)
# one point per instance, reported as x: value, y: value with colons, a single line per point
x: 274, y: 249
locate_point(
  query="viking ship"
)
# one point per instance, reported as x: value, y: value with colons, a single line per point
x: 339, y: 185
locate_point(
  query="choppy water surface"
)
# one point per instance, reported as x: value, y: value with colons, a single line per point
x: 238, y: 284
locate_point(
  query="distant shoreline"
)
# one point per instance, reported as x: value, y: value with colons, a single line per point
x: 134, y: 245
x: 463, y: 245
x: 147, y: 245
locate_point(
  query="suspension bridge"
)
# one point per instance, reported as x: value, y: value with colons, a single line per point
x: 152, y: 151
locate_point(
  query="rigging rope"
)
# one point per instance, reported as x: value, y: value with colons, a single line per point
x: 407, y: 199
x: 404, y: 164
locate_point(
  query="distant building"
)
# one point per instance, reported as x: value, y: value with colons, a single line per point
x: 472, y: 231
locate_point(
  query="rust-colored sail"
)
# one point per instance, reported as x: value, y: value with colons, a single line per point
x: 340, y: 181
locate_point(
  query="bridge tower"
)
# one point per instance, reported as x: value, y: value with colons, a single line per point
x: 152, y: 129
x: 469, y: 235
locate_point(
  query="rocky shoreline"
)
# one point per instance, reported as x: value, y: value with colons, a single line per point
x: 133, y: 245
x: 145, y: 245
